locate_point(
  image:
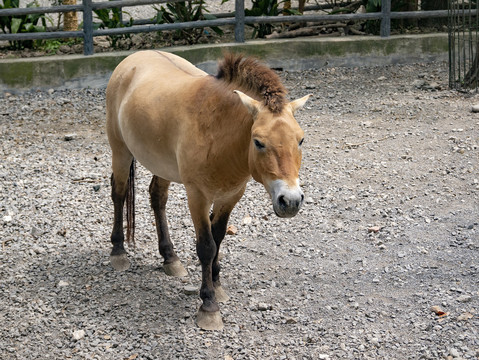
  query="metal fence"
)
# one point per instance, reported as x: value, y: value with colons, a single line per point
x: 463, y: 25
x: 239, y: 20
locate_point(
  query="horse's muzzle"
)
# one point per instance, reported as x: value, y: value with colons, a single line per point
x: 286, y: 200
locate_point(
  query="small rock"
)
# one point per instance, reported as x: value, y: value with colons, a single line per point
x: 96, y: 188
x: 465, y: 316
x: 232, y: 230
x: 190, y: 290
x: 374, y: 229
x: 418, y: 83
x: 264, y: 307
x: 309, y: 200
x: 475, y: 108
x: 291, y: 320
x: 78, y: 335
x: 38, y: 250
x: 36, y: 232
x: 382, y: 78
x: 62, y: 283
x: 434, y: 86
x: 247, y: 220
x: 65, y: 49
x: 70, y: 137
x: 454, y: 353
x: 464, y: 298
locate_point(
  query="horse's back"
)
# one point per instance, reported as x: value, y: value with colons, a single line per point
x: 146, y: 68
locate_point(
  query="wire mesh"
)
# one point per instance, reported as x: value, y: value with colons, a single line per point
x: 463, y: 28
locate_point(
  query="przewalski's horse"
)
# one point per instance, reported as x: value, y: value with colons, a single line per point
x: 202, y: 131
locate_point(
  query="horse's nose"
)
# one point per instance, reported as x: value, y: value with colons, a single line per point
x: 286, y: 200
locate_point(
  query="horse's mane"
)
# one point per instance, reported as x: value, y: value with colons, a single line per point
x: 251, y: 75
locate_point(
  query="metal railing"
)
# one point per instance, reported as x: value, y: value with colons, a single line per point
x: 463, y: 26
x: 238, y: 21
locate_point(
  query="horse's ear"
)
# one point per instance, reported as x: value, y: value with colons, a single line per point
x: 252, y: 105
x: 299, y: 103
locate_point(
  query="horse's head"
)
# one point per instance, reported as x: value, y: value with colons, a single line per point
x: 275, y: 153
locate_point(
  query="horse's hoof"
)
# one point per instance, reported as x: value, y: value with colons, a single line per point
x: 120, y: 262
x: 209, y: 320
x: 221, y: 295
x: 175, y: 269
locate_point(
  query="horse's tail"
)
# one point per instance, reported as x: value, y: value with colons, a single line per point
x: 130, y: 206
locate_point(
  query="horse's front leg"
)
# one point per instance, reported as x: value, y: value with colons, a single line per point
x: 219, y: 222
x: 209, y: 317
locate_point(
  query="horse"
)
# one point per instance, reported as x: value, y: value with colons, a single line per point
x: 210, y: 133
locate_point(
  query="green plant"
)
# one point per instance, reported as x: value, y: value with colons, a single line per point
x: 15, y: 24
x: 266, y: 8
x: 185, y: 11
x: 51, y: 46
x: 112, y: 19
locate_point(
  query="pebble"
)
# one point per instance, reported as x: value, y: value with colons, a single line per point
x: 475, y: 108
x: 418, y: 83
x: 454, y: 353
x: 309, y: 200
x: 190, y: 290
x: 63, y: 283
x: 70, y: 137
x: 464, y: 298
x: 78, y: 335
x: 231, y: 230
x: 247, y: 220
x: 264, y: 307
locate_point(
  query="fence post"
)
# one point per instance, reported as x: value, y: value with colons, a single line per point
x: 87, y: 28
x: 385, y: 18
x: 239, y: 21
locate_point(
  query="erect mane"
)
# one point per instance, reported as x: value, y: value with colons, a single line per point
x: 249, y: 74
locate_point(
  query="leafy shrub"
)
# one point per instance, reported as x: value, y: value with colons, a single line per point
x: 112, y: 19
x: 185, y: 11
x: 16, y: 24
x: 266, y: 8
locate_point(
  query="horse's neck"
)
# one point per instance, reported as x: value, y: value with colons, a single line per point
x: 230, y: 123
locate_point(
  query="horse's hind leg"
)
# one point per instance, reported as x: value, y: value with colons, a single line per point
x: 119, y: 187
x: 159, y: 197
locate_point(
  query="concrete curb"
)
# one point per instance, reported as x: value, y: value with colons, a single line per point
x: 78, y: 71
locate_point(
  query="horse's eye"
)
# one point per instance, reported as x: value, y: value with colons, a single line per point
x: 259, y: 145
x: 301, y: 142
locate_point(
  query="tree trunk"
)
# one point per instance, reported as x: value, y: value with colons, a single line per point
x: 70, y: 21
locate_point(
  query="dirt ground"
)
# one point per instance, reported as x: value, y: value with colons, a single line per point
x: 381, y: 263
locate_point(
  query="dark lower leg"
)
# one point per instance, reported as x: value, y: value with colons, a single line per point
x: 218, y: 230
x: 118, y: 194
x: 159, y: 197
x: 206, y: 249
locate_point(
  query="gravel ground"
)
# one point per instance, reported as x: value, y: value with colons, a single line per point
x: 381, y: 263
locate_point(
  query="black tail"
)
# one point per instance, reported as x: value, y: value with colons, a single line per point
x: 130, y: 206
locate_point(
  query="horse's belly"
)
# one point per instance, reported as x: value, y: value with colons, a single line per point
x: 162, y: 165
